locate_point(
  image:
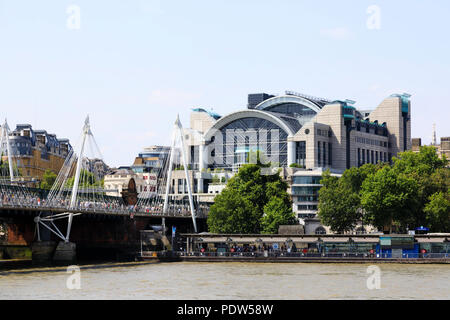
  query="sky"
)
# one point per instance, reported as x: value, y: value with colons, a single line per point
x: 134, y: 65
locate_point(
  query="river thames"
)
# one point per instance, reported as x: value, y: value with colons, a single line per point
x: 233, y: 281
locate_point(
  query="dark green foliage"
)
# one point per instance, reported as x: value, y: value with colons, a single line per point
x: 251, y: 203
x: 413, y: 192
x: 48, y: 179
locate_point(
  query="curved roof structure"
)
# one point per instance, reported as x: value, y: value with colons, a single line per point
x: 288, y: 127
x: 289, y: 99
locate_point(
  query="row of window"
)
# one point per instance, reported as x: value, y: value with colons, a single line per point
x: 307, y: 207
x: 17, y: 144
x: 306, y: 180
x: 307, y: 199
x: 371, y: 142
x: 322, y: 151
x: 324, y: 133
x: 28, y: 145
x: 371, y: 156
x: 305, y: 191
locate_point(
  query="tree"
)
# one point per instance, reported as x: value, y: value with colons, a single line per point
x: 430, y: 174
x: 438, y: 212
x: 338, y: 205
x: 276, y: 212
x: 339, y: 198
x: 387, y: 197
x: 87, y: 179
x: 48, y: 179
x: 251, y: 203
x: 4, y: 169
x: 232, y: 213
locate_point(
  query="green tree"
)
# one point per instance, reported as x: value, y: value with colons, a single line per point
x: 276, y: 212
x: 249, y: 203
x: 339, y: 198
x: 4, y: 169
x: 48, y: 179
x: 387, y: 198
x: 430, y: 174
x: 87, y: 179
x: 232, y: 213
x: 438, y: 212
x: 338, y: 205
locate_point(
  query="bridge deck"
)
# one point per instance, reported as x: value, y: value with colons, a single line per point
x: 120, y: 212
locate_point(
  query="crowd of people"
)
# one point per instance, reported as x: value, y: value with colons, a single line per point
x: 173, y: 210
x: 16, y: 198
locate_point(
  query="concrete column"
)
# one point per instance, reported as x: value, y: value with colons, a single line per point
x: 65, y: 253
x: 202, y: 162
x: 291, y: 152
x: 42, y: 252
x: 202, y: 157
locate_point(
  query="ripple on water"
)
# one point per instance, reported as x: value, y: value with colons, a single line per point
x: 233, y: 281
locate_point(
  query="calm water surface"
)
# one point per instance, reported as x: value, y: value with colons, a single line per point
x: 190, y: 280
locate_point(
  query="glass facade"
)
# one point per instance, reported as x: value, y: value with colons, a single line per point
x: 301, y: 153
x: 293, y: 109
x: 306, y: 179
x: 313, y: 191
x: 243, y: 137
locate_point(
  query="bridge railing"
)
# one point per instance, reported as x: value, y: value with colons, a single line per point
x: 35, y: 202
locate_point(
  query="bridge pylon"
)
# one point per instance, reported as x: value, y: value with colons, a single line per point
x: 76, y: 188
x: 178, y: 133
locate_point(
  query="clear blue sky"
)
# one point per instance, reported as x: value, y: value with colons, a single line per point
x: 133, y: 65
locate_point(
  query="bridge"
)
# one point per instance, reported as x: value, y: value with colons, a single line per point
x: 77, y: 191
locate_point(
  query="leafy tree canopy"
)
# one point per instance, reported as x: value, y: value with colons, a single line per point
x: 251, y: 203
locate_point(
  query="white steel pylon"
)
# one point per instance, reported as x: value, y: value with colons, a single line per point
x: 60, y: 185
x: 5, y: 141
x: 178, y: 131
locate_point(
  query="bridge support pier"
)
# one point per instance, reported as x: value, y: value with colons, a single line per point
x: 42, y: 252
x: 65, y: 253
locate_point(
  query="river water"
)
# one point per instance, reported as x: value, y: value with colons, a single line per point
x: 206, y: 281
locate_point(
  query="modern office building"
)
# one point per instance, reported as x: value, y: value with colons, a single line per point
x: 304, y: 190
x: 35, y: 151
x: 301, y: 131
x: 151, y: 159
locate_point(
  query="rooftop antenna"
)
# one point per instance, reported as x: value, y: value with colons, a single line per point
x: 433, y: 138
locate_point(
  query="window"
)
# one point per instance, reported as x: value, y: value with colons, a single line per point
x: 363, y: 156
x: 320, y: 230
x: 306, y: 180
x: 324, y: 154
x: 307, y: 198
x: 359, y: 156
x: 330, y: 149
x: 300, y: 191
x: 318, y: 153
x: 301, y: 152
x: 310, y: 207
